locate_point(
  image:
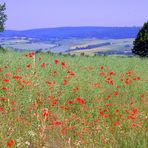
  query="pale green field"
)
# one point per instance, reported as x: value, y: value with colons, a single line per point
x: 70, y: 44
x: 116, y: 44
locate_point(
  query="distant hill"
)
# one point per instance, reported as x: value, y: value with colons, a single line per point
x: 75, y: 32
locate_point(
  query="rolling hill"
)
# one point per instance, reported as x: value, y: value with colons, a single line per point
x: 75, y: 32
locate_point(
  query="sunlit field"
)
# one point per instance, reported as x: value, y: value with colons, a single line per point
x: 63, y: 101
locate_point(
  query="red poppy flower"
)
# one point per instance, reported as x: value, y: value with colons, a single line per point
x: 6, y: 66
x: 115, y: 124
x: 54, y: 72
x: 81, y: 101
x: 136, y: 78
x: 17, y: 77
x: 3, y: 99
x: 102, y: 114
x: 141, y: 123
x: 48, y: 82
x: 112, y: 73
x: 10, y: 143
x: 108, y: 104
x: 129, y: 73
x: 28, y: 65
x: 69, y: 102
x: 8, y: 74
x: 134, y: 125
x: 63, y: 65
x: 6, y: 80
x: 102, y: 73
x: 1, y: 108
x: 64, y: 108
x: 127, y: 81
x: 116, y: 93
x: 39, y: 59
x: 57, y: 123
x: 65, y: 82
x: 135, y: 110
x: 43, y: 65
x: 55, y: 103
x: 56, y: 62
x: 30, y: 55
x: 4, y: 88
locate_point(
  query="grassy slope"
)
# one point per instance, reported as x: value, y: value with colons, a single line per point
x: 97, y: 123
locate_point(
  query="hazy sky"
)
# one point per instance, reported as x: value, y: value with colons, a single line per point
x: 28, y: 14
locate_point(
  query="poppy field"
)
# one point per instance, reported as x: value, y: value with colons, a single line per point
x: 61, y: 101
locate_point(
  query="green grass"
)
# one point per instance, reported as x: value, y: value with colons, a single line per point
x: 71, y: 103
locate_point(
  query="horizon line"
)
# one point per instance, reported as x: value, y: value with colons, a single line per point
x: 73, y: 27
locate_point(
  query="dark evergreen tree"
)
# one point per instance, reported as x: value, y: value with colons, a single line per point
x: 3, y: 16
x: 141, y: 42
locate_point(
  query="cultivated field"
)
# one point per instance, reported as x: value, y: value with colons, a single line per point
x: 69, y: 45
x: 61, y: 101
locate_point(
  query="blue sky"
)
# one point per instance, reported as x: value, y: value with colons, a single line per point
x: 28, y: 14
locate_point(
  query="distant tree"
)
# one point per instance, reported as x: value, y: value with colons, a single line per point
x: 3, y: 16
x: 141, y: 42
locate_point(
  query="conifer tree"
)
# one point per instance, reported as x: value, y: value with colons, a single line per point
x: 141, y: 42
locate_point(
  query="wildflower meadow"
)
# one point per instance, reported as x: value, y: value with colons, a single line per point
x: 61, y: 101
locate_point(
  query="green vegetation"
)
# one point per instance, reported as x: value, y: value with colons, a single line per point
x: 141, y: 42
x: 3, y: 16
x: 50, y: 100
x: 3, y: 50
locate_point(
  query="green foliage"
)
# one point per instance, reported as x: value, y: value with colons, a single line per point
x: 38, y: 51
x: 82, y: 54
x: 141, y: 42
x: 3, y: 16
x: 2, y: 50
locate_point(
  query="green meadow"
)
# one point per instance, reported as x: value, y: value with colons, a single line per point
x: 61, y: 101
